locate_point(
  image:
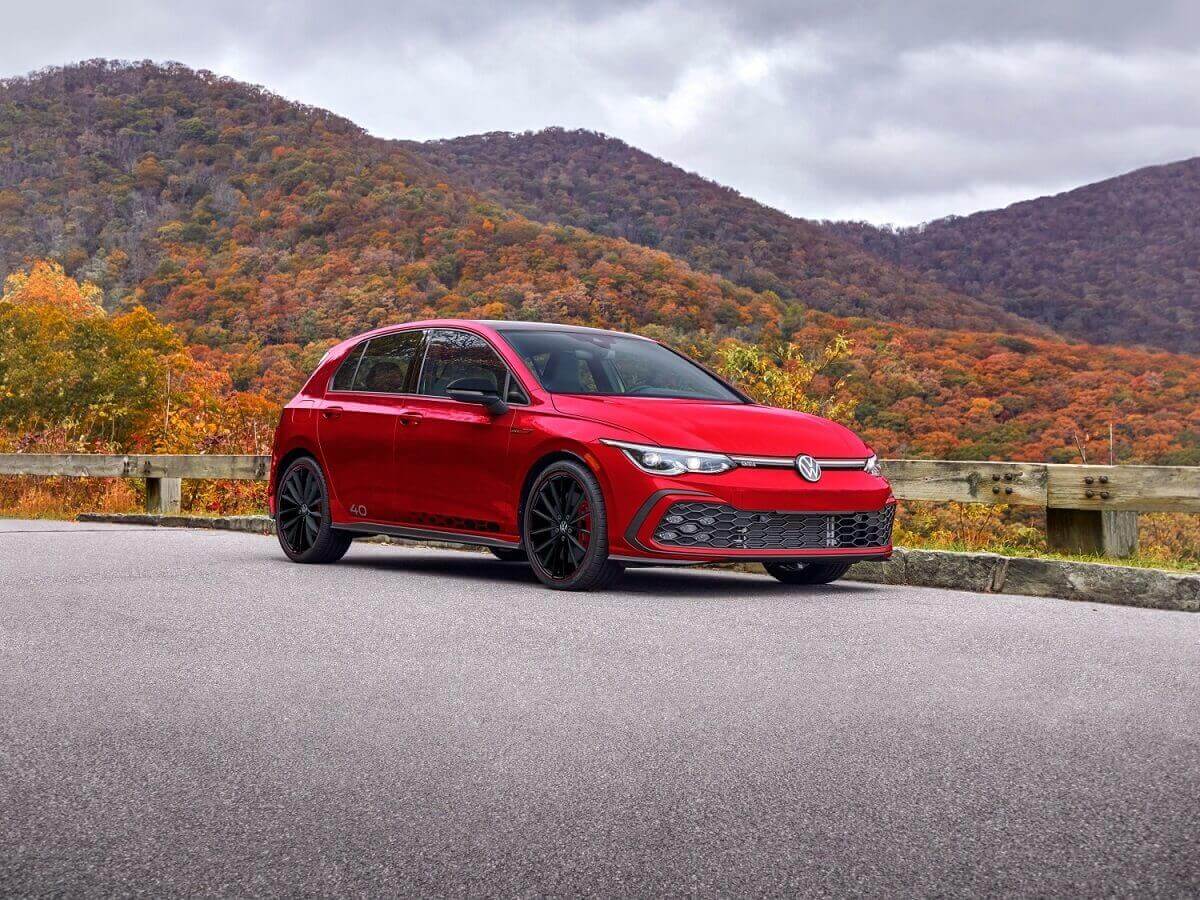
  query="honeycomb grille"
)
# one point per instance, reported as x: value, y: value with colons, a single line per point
x: 727, y: 528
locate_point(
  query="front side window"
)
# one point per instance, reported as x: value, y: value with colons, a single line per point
x: 576, y: 362
x: 453, y: 356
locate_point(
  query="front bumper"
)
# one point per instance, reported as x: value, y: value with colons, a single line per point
x: 747, y: 515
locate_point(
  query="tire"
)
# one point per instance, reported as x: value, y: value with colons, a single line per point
x: 504, y: 554
x: 564, y: 527
x: 807, y: 573
x: 302, y: 520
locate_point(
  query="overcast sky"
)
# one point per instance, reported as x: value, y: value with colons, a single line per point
x: 893, y: 111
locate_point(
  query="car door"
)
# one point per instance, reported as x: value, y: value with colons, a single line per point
x: 357, y: 424
x: 452, y: 457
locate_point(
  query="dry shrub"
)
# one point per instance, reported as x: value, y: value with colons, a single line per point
x: 1170, y: 537
x: 224, y: 498
x: 970, y: 526
x: 62, y: 498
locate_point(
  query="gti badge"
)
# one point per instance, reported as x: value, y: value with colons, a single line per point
x: 809, y: 468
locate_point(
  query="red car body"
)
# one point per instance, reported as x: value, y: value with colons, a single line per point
x: 433, y: 467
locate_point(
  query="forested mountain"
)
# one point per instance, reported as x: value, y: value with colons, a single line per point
x: 1114, y: 262
x: 602, y: 184
x: 247, y: 220
x: 263, y: 230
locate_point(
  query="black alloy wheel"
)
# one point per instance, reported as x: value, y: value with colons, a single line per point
x: 807, y: 573
x: 565, y: 529
x: 302, y: 521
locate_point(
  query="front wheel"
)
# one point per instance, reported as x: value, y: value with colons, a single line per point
x: 302, y: 521
x: 565, y: 530
x: 807, y: 573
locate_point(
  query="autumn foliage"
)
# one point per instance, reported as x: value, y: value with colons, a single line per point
x: 75, y: 379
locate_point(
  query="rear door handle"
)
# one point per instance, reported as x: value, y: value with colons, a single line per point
x: 331, y: 412
x: 411, y: 419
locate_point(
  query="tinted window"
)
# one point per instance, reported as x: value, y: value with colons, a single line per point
x: 344, y: 378
x: 456, y: 355
x: 576, y: 362
x: 388, y: 362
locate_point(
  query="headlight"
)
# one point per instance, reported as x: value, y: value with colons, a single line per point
x: 663, y: 461
x: 872, y: 467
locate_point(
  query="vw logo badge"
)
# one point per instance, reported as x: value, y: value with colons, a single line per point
x: 809, y: 468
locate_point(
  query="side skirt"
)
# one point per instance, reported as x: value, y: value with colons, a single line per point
x: 425, y: 534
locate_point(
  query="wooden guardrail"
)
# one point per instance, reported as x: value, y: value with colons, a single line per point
x: 1089, y: 509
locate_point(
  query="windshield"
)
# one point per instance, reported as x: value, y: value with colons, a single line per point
x: 576, y: 362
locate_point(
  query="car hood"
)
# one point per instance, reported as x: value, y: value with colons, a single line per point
x: 721, y: 427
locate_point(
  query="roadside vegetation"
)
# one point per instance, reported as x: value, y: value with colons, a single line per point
x: 77, y: 379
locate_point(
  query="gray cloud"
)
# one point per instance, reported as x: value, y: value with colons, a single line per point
x: 896, y: 112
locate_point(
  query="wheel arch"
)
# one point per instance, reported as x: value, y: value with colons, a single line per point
x: 540, y: 465
x: 282, y: 464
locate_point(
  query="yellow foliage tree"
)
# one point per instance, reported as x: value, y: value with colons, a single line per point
x: 787, y: 377
x: 126, y: 381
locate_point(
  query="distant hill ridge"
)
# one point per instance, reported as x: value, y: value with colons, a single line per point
x: 1113, y: 262
x: 602, y: 184
x: 1116, y: 262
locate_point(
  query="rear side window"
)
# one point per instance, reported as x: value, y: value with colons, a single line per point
x: 388, y: 363
x: 457, y: 355
x: 344, y: 379
x: 383, y: 365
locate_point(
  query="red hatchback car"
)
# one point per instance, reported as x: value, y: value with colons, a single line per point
x: 577, y: 450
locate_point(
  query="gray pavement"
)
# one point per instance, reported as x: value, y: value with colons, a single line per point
x: 185, y: 712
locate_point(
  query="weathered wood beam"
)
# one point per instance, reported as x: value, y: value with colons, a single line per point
x: 1021, y: 484
x: 1144, y: 488
x: 77, y: 465
x: 86, y: 465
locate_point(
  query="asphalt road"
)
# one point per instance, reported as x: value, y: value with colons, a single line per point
x: 185, y: 712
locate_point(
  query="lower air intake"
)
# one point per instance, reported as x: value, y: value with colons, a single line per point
x: 724, y: 527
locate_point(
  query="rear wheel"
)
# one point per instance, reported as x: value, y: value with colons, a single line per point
x: 302, y: 521
x: 565, y: 530
x: 807, y: 573
x: 504, y: 554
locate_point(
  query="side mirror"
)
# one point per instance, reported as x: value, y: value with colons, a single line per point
x: 479, y: 391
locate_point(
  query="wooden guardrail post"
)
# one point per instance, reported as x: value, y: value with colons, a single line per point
x: 1094, y: 509
x: 1094, y: 532
x: 164, y: 496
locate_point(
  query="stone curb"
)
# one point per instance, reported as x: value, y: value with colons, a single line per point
x: 985, y: 573
x: 990, y: 573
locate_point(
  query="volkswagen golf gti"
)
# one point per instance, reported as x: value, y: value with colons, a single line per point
x: 576, y: 450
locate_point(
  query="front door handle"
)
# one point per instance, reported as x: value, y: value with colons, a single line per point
x: 331, y: 412
x: 411, y: 419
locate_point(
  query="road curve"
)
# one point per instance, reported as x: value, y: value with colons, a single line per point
x: 184, y: 712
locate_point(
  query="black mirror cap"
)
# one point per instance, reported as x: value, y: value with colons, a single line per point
x: 478, y: 391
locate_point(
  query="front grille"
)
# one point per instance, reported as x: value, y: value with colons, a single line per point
x: 724, y: 527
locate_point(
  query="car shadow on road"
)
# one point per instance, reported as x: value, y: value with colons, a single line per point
x: 660, y: 582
